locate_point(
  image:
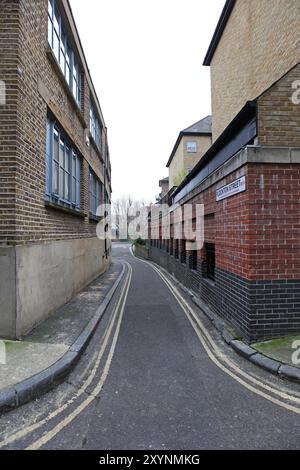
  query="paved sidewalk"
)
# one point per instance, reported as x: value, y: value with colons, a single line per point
x: 55, y: 337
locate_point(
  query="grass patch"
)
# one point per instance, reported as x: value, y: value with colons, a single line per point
x: 279, y: 349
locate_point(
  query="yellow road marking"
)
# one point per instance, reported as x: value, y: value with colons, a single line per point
x: 65, y: 422
x: 183, y: 303
x: 189, y: 312
x: 24, y: 432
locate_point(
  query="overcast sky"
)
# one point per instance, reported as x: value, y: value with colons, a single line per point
x: 145, y: 58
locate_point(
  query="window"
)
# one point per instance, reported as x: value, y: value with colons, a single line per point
x: 183, y: 252
x: 58, y: 41
x: 95, y: 193
x: 210, y: 260
x: 193, y: 260
x: 191, y: 147
x: 171, y: 246
x: 176, y: 249
x: 95, y: 127
x: 62, y: 169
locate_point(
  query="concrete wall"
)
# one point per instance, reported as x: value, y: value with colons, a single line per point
x: 7, y: 292
x: 259, y: 45
x: 42, y: 278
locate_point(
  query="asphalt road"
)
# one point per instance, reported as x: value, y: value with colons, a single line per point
x: 156, y: 387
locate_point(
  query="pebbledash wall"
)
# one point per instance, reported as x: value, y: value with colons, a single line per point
x: 48, y: 246
x: 256, y: 232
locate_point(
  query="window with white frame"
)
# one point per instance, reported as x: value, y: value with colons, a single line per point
x: 63, y: 166
x: 95, y: 193
x: 191, y: 147
x: 95, y: 126
x: 60, y: 44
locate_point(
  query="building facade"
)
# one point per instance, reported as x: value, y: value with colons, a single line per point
x: 54, y: 164
x: 256, y: 42
x: 191, y: 144
x: 248, y: 270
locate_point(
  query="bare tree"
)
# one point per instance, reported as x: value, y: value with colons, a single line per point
x: 124, y: 210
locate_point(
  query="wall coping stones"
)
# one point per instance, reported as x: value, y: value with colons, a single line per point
x: 250, y: 154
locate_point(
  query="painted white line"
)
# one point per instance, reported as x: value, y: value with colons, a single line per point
x: 24, y: 432
x: 66, y: 421
x: 217, y: 352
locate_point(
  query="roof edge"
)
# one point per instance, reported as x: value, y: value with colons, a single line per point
x: 188, y: 132
x: 180, y: 136
x: 237, y: 121
x: 226, y: 12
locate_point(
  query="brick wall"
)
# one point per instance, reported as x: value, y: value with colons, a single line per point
x: 273, y: 234
x: 259, y: 45
x: 41, y: 88
x: 257, y: 242
x: 278, y: 117
x: 9, y: 27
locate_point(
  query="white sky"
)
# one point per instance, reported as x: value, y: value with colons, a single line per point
x: 145, y: 58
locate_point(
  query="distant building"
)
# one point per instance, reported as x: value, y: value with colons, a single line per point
x: 191, y: 144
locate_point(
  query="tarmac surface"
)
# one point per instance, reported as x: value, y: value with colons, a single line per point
x: 150, y: 380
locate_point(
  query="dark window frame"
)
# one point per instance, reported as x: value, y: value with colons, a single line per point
x: 210, y: 260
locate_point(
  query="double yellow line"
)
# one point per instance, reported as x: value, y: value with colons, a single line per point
x: 221, y: 360
x: 118, y: 313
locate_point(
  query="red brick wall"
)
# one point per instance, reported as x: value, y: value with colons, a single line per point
x: 257, y: 232
x: 274, y: 221
x: 225, y: 225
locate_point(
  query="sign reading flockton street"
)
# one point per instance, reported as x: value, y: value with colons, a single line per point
x: 237, y: 186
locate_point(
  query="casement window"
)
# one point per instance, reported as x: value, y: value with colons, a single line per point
x: 95, y: 126
x: 191, y: 147
x: 61, y: 46
x: 63, y: 165
x: 95, y: 193
x: 210, y: 260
